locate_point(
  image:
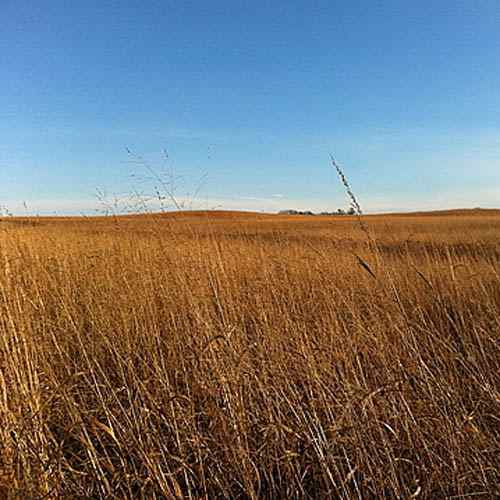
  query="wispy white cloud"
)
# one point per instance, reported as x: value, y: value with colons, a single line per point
x: 56, y: 206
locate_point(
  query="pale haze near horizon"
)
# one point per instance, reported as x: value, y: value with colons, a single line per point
x: 249, y: 99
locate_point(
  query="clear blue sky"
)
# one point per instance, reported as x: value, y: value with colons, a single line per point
x: 254, y: 95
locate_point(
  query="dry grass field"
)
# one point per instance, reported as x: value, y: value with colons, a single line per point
x: 230, y: 355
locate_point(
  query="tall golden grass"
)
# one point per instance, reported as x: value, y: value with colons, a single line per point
x: 245, y: 356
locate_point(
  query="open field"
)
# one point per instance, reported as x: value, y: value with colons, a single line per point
x: 250, y: 356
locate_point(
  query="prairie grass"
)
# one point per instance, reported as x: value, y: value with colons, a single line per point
x: 250, y: 356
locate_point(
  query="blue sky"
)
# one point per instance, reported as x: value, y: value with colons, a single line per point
x: 249, y: 99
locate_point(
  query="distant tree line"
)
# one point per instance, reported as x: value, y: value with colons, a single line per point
x: 339, y: 211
